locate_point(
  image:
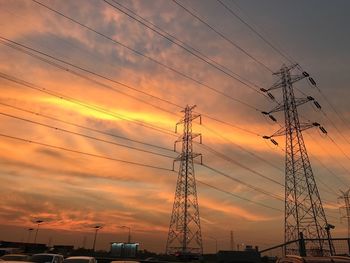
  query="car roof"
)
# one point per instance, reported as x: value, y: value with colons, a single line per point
x: 15, y: 255
x: 311, y: 259
x: 79, y: 257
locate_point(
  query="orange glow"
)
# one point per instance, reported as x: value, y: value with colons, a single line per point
x: 72, y: 192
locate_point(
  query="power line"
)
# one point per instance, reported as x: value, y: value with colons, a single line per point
x: 61, y: 96
x: 339, y: 148
x: 84, y: 70
x: 341, y: 181
x: 83, y: 104
x: 237, y: 196
x: 313, y: 84
x: 184, y: 46
x: 335, y: 127
x: 256, y: 32
x: 324, y: 97
x: 124, y: 161
x: 223, y: 36
x: 237, y: 180
x: 330, y: 190
x: 83, y: 153
x: 85, y: 127
x: 53, y: 94
x: 229, y: 159
x: 329, y: 119
x: 130, y: 147
x: 142, y: 150
x: 257, y: 189
x: 84, y: 135
x: 340, y: 116
x: 243, y: 149
x: 106, y: 78
x: 148, y: 57
x: 201, y: 182
x: 292, y: 61
x: 230, y: 124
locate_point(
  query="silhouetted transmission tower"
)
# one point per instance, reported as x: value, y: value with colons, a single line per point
x: 184, y: 235
x: 346, y: 207
x: 304, y: 215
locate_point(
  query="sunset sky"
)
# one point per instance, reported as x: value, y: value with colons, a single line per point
x: 140, y: 83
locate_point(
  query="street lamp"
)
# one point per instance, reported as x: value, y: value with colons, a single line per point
x: 129, y: 235
x: 30, y: 230
x: 37, y: 229
x: 216, y: 244
x: 96, y: 229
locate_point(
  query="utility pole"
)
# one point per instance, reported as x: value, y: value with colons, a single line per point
x: 95, y: 236
x: 38, y: 222
x: 304, y: 213
x: 184, y: 235
x: 30, y: 230
x: 345, y: 196
x: 232, y: 241
x: 84, y: 242
x: 216, y: 244
x: 129, y: 233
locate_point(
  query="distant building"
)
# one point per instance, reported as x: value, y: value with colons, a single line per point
x: 15, y: 247
x: 63, y: 249
x: 249, y: 255
x: 124, y: 250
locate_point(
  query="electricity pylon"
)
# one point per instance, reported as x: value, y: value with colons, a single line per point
x: 304, y: 214
x: 345, y: 196
x: 184, y: 235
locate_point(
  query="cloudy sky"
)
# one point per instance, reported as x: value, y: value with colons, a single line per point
x: 73, y: 90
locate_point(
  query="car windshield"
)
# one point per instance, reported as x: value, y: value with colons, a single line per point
x: 14, y: 257
x: 76, y: 260
x: 41, y: 258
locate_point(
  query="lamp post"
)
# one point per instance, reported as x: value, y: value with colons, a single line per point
x: 30, y: 230
x: 216, y: 244
x: 96, y: 229
x: 129, y: 235
x: 37, y: 229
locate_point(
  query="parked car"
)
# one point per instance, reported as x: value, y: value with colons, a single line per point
x: 80, y: 260
x: 47, y: 258
x: 298, y: 259
x: 15, y: 257
x: 9, y: 250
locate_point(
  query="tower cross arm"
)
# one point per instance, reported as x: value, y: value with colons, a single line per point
x: 190, y: 136
x: 189, y: 119
x: 308, y: 125
x: 298, y: 102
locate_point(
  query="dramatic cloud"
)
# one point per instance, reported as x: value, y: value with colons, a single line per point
x: 70, y: 141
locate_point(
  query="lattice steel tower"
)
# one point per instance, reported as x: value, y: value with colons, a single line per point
x: 184, y: 235
x: 304, y: 214
x: 346, y: 207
